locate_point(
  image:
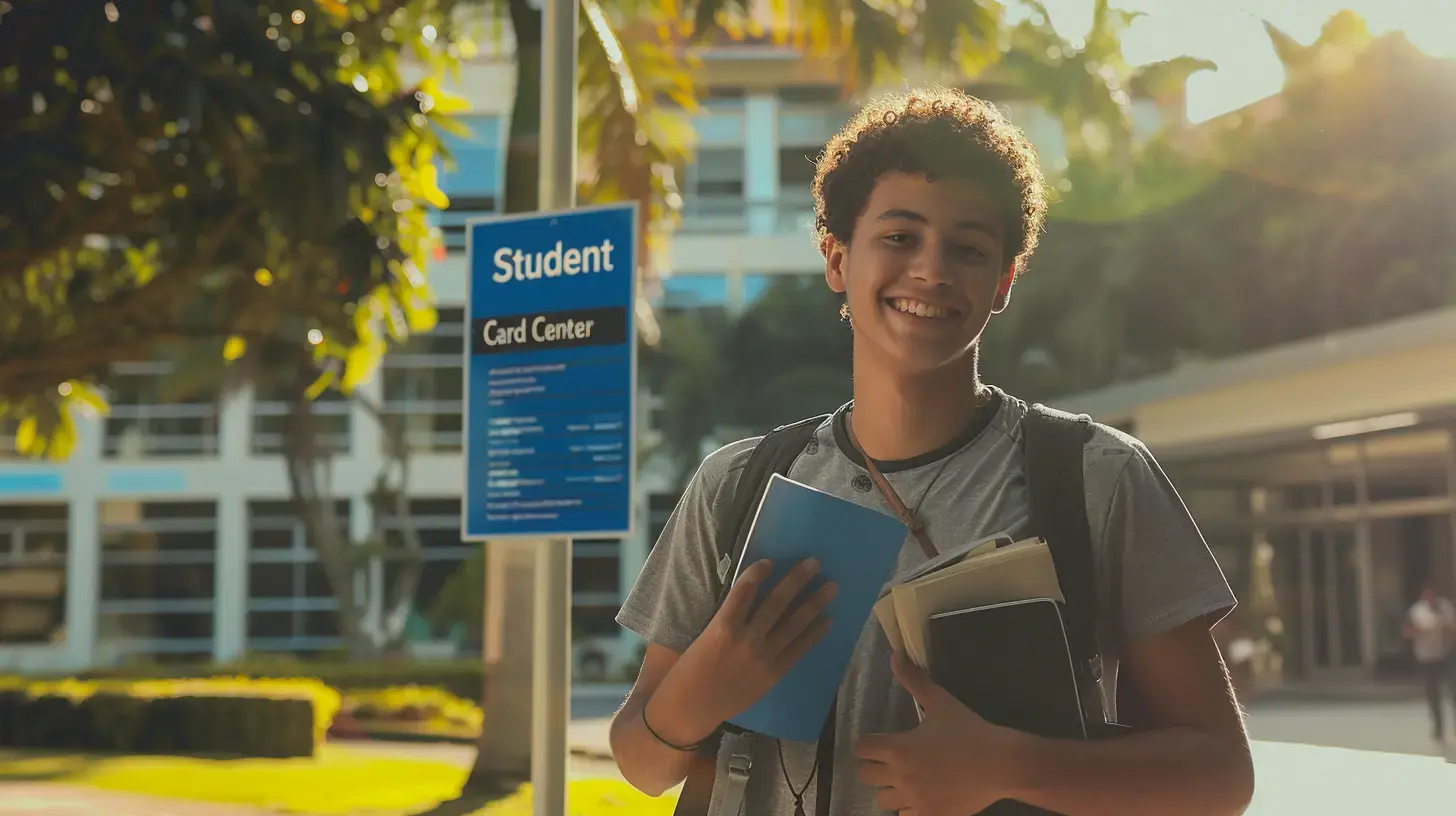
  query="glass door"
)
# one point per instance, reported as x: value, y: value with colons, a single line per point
x: 1332, y: 588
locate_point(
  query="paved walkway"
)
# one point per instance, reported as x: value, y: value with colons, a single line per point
x: 1322, y: 759
x: 49, y: 799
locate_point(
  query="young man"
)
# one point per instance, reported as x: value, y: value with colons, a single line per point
x: 1431, y: 627
x: 929, y: 204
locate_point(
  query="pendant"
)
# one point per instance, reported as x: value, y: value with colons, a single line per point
x: 799, y: 808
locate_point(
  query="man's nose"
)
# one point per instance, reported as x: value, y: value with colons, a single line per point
x: 931, y: 265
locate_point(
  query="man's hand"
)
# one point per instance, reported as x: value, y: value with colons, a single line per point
x: 952, y: 764
x: 744, y: 651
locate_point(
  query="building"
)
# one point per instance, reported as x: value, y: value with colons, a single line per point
x: 1323, y: 474
x: 168, y: 535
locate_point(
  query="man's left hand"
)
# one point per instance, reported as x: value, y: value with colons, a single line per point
x: 953, y: 764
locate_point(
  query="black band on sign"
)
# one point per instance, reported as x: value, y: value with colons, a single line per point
x: 539, y: 331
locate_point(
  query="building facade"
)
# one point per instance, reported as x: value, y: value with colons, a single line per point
x: 168, y: 535
x: 1323, y: 474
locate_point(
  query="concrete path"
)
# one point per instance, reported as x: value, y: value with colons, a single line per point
x: 49, y: 799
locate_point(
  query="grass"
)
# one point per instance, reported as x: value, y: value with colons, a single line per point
x: 339, y: 782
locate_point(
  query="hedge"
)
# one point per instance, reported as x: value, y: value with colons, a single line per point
x: 464, y: 679
x: 236, y: 717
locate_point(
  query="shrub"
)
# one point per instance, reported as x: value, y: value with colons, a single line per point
x: 430, y: 708
x: 462, y: 678
x: 226, y: 716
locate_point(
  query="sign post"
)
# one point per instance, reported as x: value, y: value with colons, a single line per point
x: 550, y: 396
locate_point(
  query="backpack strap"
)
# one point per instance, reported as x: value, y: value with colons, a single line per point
x: 1054, y: 442
x: 774, y: 453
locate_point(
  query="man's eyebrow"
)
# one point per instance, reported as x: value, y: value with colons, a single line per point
x: 911, y: 215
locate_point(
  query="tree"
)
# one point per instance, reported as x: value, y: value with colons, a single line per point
x: 215, y: 171
x: 1323, y: 216
x: 226, y: 180
x: 1063, y: 331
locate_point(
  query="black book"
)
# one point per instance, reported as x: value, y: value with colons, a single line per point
x: 1012, y: 664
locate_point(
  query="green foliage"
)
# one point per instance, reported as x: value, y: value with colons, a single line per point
x: 1324, y: 208
x: 878, y: 39
x: 225, y: 716
x: 220, y: 170
x: 463, y: 678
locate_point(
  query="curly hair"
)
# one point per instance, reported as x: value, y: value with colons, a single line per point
x: 936, y: 132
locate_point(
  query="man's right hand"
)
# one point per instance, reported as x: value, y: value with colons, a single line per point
x: 744, y: 651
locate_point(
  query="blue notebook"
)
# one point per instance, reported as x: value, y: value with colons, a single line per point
x: 858, y: 549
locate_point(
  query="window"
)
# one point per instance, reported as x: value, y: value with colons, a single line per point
x: 476, y: 182
x: 447, y: 604
x: 693, y: 291
x: 146, y: 422
x: 272, y: 409
x: 8, y: 427
x: 33, y: 547
x: 596, y: 586
x: 809, y: 94
x: 714, y: 189
x: 158, y: 572
x: 291, y: 603
x: 423, y: 386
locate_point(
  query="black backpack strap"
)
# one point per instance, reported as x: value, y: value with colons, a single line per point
x: 1055, y: 441
x: 774, y: 453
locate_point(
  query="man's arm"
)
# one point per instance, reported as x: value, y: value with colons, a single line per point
x: 649, y: 765
x: 1189, y: 754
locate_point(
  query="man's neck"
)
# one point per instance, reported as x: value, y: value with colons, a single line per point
x: 902, y: 417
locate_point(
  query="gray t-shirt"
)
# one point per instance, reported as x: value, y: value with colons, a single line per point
x: 1154, y: 570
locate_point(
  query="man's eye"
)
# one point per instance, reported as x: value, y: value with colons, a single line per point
x: 969, y: 251
x: 898, y: 238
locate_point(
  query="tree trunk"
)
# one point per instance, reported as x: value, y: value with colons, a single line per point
x: 503, y: 752
x: 308, y: 479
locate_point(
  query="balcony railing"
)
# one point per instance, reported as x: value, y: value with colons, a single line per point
x: 161, y: 430
x: 791, y: 213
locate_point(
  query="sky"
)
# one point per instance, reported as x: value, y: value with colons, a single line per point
x: 1231, y: 34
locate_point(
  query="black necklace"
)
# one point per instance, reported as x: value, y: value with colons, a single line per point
x: 798, y: 794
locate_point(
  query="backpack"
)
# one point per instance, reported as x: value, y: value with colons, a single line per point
x: 1054, y: 442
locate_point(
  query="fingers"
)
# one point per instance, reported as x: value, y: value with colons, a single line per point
x: 744, y: 590
x: 778, y: 600
x: 914, y: 680
x: 875, y: 747
x: 801, y: 645
x: 800, y: 620
x: 876, y: 774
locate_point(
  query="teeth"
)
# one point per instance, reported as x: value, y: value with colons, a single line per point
x: 919, y: 308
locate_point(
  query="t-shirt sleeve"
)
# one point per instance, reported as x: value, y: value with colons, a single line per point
x: 1161, y: 570
x: 675, y: 594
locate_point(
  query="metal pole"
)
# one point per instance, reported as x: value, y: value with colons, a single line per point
x: 551, y: 664
x: 551, y: 677
x: 558, y: 105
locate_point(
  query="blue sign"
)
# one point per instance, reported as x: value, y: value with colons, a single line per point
x: 551, y: 374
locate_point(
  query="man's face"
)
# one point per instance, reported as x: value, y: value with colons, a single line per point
x: 922, y: 274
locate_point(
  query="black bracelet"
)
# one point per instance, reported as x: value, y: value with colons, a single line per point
x: 686, y: 749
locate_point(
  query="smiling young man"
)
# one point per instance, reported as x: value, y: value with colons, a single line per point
x: 929, y: 204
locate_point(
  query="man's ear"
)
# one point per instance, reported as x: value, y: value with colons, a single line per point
x: 1003, y: 289
x: 834, y: 259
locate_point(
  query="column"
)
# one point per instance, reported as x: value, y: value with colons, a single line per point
x: 83, y: 580
x: 1365, y: 564
x: 230, y: 602
x: 230, y: 578
x: 761, y: 162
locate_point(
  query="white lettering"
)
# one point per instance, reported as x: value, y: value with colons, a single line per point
x: 513, y: 264
x: 496, y: 335
x: 543, y: 332
x: 503, y: 263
